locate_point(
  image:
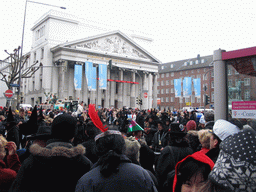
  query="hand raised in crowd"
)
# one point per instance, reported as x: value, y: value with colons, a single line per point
x: 11, y: 147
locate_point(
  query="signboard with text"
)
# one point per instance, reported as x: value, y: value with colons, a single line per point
x: 244, y: 109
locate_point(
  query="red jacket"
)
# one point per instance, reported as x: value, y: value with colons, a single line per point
x: 199, y: 156
x: 8, y: 172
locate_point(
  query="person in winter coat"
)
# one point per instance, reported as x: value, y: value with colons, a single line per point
x: 114, y: 171
x: 159, y: 139
x: 192, y: 172
x: 56, y: 167
x: 170, y: 155
x: 8, y: 169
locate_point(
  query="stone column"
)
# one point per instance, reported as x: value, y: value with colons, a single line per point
x: 220, y: 88
x: 107, y: 91
x: 62, y: 80
x: 150, y: 91
x: 155, y: 91
x: 145, y: 89
x: 132, y: 100
x: 120, y: 89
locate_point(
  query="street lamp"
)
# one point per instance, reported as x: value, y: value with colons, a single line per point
x: 22, y: 39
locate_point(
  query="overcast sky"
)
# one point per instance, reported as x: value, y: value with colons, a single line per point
x: 181, y: 29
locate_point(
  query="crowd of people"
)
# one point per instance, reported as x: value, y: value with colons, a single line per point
x: 125, y: 150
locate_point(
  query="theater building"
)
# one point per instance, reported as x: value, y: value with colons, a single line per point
x: 122, y: 69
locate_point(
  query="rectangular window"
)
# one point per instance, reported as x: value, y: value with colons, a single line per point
x: 187, y: 99
x: 181, y: 99
x: 246, y: 81
x: 172, y: 99
x: 162, y: 75
x: 34, y: 57
x: 162, y: 83
x: 230, y: 83
x: 158, y: 91
x: 167, y: 99
x: 172, y: 74
x: 167, y: 74
x: 198, y: 100
x: 238, y: 82
x: 42, y: 53
x: 192, y: 71
x: 212, y: 84
x: 162, y: 99
x: 167, y: 91
x: 212, y: 97
x: 162, y: 91
x: 229, y: 71
x: 212, y: 73
x: 180, y: 72
x: 172, y: 82
x: 167, y: 82
x: 172, y: 90
x: 247, y: 95
x: 198, y: 76
x: 205, y: 77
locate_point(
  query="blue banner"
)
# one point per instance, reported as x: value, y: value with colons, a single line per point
x: 78, y: 77
x: 88, y: 74
x: 102, y: 76
x: 94, y: 78
x: 187, y: 86
x: 177, y: 87
x: 197, y: 87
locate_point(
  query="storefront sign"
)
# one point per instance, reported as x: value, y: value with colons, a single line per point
x: 244, y: 109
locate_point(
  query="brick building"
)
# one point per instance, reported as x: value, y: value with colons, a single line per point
x: 198, y: 67
x: 240, y: 87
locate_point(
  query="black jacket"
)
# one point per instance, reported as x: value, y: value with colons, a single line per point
x: 56, y: 167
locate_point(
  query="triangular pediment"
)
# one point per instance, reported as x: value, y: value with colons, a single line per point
x: 116, y: 44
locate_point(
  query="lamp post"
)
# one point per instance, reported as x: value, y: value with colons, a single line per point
x: 22, y: 40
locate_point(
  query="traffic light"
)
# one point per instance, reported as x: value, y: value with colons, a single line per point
x: 137, y: 100
x: 207, y: 100
x: 140, y: 101
x: 110, y: 64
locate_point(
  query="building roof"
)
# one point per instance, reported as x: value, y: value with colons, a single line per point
x: 186, y: 64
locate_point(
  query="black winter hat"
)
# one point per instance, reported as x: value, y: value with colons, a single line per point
x: 64, y: 127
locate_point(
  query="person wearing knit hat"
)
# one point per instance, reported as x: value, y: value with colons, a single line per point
x: 59, y: 165
x: 235, y: 168
x: 191, y: 125
x: 221, y: 130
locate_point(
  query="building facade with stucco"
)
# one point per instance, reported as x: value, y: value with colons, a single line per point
x: 61, y: 41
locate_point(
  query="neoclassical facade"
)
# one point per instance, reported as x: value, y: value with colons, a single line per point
x: 133, y: 72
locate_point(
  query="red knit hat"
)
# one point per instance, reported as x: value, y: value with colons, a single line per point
x: 191, y: 125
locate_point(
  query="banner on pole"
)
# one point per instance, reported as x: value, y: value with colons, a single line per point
x: 197, y: 87
x: 102, y: 76
x: 88, y: 74
x: 177, y: 87
x: 78, y: 76
x: 187, y: 86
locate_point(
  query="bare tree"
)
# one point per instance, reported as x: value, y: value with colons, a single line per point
x: 16, y: 67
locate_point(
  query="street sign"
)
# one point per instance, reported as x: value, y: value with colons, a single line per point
x: 145, y: 95
x: 188, y: 103
x: 8, y: 93
x: 14, y: 85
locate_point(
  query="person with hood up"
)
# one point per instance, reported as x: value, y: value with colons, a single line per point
x: 192, y: 172
x: 56, y: 167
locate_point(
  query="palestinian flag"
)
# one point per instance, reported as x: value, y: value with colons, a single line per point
x: 134, y: 127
